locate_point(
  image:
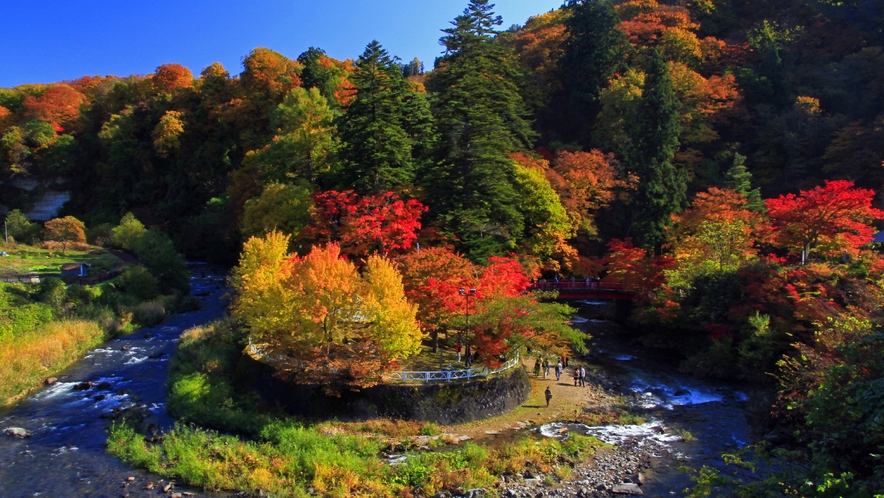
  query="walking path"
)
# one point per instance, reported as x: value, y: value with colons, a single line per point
x: 568, y: 403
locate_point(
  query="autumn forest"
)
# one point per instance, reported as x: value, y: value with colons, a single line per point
x: 721, y: 160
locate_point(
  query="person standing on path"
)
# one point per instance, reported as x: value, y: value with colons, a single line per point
x: 582, y: 376
x: 576, y: 377
x: 559, y: 371
x: 545, y: 368
x: 548, y: 395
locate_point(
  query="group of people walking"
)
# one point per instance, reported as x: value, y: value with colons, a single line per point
x: 545, y: 365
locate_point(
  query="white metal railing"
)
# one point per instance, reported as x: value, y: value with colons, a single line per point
x: 449, y: 375
x: 397, y: 375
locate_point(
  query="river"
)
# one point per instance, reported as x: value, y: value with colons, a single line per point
x: 65, y: 455
x: 714, y: 413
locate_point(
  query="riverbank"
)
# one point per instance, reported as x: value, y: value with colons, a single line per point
x: 66, y: 452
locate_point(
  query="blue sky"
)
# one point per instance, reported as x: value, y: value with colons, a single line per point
x: 54, y: 40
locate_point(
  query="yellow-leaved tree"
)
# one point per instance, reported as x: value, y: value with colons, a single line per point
x: 317, y: 319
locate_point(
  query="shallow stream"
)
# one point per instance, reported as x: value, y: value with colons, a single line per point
x: 65, y: 455
x: 714, y: 414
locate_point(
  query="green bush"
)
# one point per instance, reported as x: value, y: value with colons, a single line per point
x: 53, y: 291
x: 139, y: 282
x: 149, y: 313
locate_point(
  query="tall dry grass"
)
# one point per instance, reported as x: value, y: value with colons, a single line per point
x: 26, y: 360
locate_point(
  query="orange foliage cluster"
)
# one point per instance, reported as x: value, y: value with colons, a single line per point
x: 171, y: 77
x: 7, y: 118
x: 269, y: 71
x: 59, y: 103
x: 717, y: 228
x: 645, y: 22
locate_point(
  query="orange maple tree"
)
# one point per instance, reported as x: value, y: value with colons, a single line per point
x: 59, y: 103
x: 170, y: 77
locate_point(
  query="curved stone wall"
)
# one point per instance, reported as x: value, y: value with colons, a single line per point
x: 444, y: 402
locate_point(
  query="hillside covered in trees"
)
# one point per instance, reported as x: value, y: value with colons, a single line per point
x: 722, y: 159
x: 559, y: 111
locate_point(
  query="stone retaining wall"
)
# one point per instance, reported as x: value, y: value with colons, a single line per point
x: 443, y: 403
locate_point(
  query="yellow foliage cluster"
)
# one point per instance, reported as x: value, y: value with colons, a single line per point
x: 322, y: 313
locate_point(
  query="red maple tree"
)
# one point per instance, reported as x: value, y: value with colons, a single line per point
x: 832, y: 219
x: 364, y: 225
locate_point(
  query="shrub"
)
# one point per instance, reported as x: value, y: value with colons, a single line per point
x: 138, y: 282
x: 149, y: 313
x: 127, y: 233
x: 19, y: 227
x: 53, y: 291
x: 100, y: 235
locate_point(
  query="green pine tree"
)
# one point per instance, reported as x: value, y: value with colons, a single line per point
x: 377, y: 152
x: 593, y: 51
x: 480, y: 118
x: 661, y: 190
x: 740, y: 179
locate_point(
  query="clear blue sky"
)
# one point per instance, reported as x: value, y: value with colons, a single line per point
x: 54, y: 40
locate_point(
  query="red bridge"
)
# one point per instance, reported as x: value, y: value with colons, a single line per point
x: 581, y: 289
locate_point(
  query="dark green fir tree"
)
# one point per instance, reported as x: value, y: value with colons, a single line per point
x: 661, y: 190
x: 593, y: 51
x: 480, y: 119
x: 381, y: 126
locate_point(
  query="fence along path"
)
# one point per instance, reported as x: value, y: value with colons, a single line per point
x: 447, y: 375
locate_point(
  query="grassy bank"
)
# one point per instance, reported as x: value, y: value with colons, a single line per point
x: 285, y: 457
x: 29, y: 359
x: 47, y: 326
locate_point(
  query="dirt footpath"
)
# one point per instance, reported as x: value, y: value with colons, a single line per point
x: 568, y: 403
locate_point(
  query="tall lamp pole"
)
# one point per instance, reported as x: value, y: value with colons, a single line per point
x: 467, y: 295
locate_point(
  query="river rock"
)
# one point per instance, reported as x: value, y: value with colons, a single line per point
x: 104, y: 386
x: 156, y: 355
x: 682, y: 392
x: 50, y: 380
x: 626, y: 489
x: 17, y: 432
x: 82, y: 386
x: 148, y: 335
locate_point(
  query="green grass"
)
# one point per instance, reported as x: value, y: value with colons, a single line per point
x: 27, y: 259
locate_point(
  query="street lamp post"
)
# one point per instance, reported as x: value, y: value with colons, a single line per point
x: 467, y: 295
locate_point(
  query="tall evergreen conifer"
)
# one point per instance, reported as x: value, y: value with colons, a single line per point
x: 661, y: 190
x: 480, y: 118
x: 593, y: 51
x: 380, y: 126
x: 740, y: 179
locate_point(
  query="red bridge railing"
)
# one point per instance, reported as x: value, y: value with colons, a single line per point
x: 577, y: 286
